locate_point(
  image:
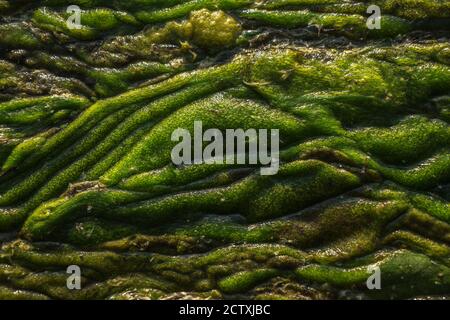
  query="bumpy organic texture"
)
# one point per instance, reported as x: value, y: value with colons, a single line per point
x: 86, y: 117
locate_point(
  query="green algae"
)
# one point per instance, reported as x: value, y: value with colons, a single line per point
x: 411, y: 9
x: 243, y: 281
x: 184, y: 9
x: 93, y: 22
x: 111, y: 82
x: 213, y: 30
x: 235, y: 270
x: 85, y: 122
x: 353, y: 26
x: 423, y: 274
x: 18, y: 36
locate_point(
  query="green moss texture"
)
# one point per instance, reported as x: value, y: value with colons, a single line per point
x: 86, y: 177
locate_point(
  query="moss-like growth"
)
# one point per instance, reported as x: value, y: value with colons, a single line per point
x: 86, y: 117
x: 214, y: 30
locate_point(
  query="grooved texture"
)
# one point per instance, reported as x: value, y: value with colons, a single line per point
x: 86, y: 177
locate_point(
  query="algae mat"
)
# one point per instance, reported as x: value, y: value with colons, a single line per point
x: 87, y: 113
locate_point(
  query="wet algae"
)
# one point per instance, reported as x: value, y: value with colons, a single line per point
x: 86, y: 176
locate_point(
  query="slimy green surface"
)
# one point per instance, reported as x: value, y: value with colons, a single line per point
x: 86, y: 177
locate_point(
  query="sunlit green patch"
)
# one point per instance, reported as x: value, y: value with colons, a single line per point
x: 86, y: 117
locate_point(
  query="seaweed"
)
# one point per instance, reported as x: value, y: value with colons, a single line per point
x: 86, y: 178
